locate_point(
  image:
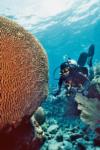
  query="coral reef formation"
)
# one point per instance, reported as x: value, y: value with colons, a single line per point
x: 90, y: 109
x: 23, y: 73
x: 39, y: 115
x: 23, y: 85
x: 90, y: 104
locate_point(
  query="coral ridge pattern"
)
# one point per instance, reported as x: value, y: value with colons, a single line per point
x: 23, y: 73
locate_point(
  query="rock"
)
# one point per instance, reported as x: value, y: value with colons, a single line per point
x: 54, y: 146
x: 53, y: 129
x: 67, y: 145
x: 50, y: 137
x: 75, y: 136
x: 91, y: 147
x: 45, y: 146
x: 97, y: 141
x: 52, y: 121
x: 61, y: 147
x: 59, y: 137
x: 66, y: 137
x: 97, y: 130
x: 45, y: 126
x: 81, y: 146
x: 86, y: 137
x: 73, y: 130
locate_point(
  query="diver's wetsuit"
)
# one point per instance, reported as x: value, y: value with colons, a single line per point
x: 75, y: 79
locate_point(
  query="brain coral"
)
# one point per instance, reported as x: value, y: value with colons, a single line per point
x: 23, y: 73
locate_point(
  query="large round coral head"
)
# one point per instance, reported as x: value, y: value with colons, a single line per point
x: 23, y: 73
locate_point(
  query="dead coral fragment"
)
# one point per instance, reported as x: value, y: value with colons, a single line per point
x: 39, y: 115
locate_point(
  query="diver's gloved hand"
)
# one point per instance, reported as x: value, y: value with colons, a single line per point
x: 71, y: 92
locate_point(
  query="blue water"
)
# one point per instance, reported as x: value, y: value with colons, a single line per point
x: 63, y: 28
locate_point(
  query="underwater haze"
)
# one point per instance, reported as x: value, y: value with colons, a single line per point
x: 64, y: 28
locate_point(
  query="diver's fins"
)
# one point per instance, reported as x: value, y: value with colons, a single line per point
x: 91, y: 51
x: 90, y: 55
x: 82, y: 59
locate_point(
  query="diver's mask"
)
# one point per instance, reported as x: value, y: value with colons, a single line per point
x: 65, y: 71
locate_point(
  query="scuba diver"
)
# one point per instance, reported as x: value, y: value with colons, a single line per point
x: 74, y: 76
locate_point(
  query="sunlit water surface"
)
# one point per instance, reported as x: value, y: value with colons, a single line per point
x: 64, y: 28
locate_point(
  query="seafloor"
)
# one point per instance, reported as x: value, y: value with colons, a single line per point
x: 64, y: 130
x: 63, y: 127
